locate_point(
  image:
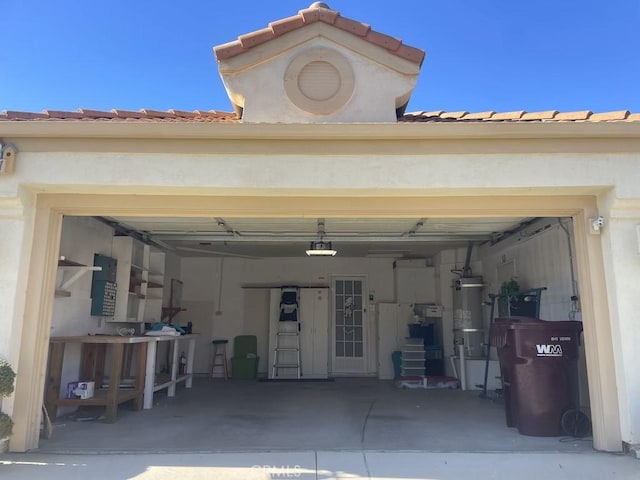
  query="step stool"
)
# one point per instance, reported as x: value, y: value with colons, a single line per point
x: 219, y: 358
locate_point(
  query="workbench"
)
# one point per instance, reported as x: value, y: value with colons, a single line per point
x: 124, y: 351
x: 155, y: 382
x: 110, y: 397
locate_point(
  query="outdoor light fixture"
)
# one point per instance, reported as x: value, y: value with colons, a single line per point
x: 321, y: 248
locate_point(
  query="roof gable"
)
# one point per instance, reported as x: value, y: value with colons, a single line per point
x: 318, y: 67
x: 318, y: 12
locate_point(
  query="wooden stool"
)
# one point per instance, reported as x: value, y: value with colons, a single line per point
x: 220, y: 350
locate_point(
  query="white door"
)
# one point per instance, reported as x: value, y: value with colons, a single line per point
x: 313, y: 314
x: 314, y: 329
x: 350, y: 333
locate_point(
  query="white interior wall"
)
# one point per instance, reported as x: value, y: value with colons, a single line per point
x: 172, y: 265
x: 541, y: 258
x: 415, y: 281
x: 201, y: 276
x: 81, y: 238
x: 256, y: 322
x: 172, y: 269
x: 199, y: 293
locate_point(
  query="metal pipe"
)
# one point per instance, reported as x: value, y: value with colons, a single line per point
x: 573, y: 276
x: 463, y: 368
x: 574, y: 287
x: 306, y: 237
x: 466, y: 271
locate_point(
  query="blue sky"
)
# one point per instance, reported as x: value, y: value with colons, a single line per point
x: 497, y: 55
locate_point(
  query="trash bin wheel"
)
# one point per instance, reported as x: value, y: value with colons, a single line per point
x: 575, y: 423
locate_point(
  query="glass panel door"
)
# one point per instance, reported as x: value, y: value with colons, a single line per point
x: 349, y: 332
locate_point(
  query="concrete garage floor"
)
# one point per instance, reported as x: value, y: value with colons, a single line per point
x: 348, y: 414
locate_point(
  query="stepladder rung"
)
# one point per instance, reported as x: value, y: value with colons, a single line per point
x: 286, y: 351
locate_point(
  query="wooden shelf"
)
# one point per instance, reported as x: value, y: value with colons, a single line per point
x: 135, y: 281
x: 78, y: 270
x: 164, y: 381
x: 101, y: 398
x: 63, y: 262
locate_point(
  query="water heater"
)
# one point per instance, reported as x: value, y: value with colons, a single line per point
x: 468, y: 323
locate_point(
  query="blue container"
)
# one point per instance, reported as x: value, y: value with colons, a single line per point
x: 396, y: 358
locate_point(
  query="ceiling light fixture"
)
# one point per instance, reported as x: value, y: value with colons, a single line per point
x: 320, y: 248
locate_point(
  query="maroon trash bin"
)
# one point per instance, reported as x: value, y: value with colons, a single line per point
x: 498, y: 333
x: 538, y: 364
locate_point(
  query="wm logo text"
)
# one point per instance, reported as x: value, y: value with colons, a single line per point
x: 549, y: 350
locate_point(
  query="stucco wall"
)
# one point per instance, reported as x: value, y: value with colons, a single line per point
x: 621, y: 241
x: 438, y: 173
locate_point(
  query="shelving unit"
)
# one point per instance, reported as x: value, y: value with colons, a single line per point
x: 139, y: 279
x: 77, y: 270
x: 413, y: 357
x: 155, y: 286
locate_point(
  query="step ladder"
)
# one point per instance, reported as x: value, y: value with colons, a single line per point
x: 286, y: 353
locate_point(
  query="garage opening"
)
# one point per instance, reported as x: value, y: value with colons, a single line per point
x: 385, y: 347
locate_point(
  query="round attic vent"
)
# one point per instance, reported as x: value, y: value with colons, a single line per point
x: 319, y: 81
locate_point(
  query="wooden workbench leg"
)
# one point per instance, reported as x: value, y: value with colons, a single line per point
x: 190, y: 355
x: 54, y: 378
x: 150, y: 374
x: 114, y: 382
x: 171, y: 391
x: 141, y: 369
x: 127, y: 359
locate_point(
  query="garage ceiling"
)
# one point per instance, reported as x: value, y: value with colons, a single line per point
x: 290, y: 237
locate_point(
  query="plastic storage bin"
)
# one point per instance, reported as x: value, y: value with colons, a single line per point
x: 396, y: 358
x: 422, y: 330
x: 538, y: 365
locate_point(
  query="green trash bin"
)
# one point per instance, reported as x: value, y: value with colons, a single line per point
x: 244, y: 363
x: 396, y: 358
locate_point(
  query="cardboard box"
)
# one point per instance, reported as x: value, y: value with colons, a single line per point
x: 71, y: 389
x: 85, y: 390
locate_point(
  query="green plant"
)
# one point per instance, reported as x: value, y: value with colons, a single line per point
x: 7, y: 378
x: 508, y: 293
x: 6, y: 426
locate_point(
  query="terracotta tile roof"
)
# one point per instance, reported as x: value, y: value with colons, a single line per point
x: 144, y: 115
x: 214, y: 116
x: 318, y: 12
x: 521, y: 116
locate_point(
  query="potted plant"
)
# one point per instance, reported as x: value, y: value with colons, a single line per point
x: 7, y: 378
x: 508, y: 293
